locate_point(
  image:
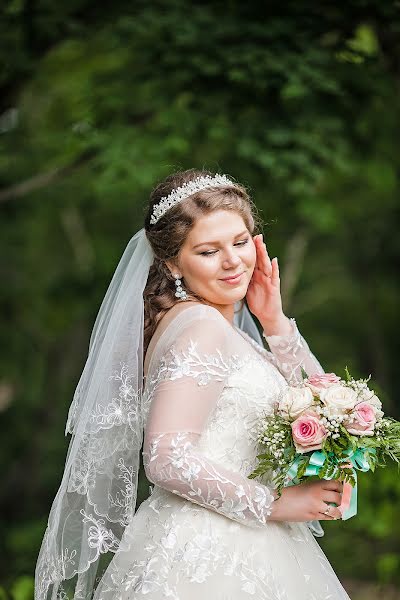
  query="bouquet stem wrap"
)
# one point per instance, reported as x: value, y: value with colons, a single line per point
x: 357, y: 460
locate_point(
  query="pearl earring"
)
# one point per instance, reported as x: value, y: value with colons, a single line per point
x: 180, y: 292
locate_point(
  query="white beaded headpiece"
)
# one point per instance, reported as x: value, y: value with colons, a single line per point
x: 186, y: 190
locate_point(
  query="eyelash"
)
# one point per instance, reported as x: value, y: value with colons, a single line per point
x: 212, y: 252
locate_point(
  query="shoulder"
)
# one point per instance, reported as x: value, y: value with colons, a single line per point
x: 191, y: 315
x: 197, y: 344
x: 201, y: 323
x: 187, y: 324
x: 198, y: 308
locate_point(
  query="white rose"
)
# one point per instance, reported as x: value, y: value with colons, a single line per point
x: 338, y: 398
x: 372, y: 399
x: 294, y: 401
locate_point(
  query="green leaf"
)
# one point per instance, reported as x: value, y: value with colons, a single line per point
x: 304, y: 373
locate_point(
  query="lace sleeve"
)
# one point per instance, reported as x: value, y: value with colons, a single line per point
x: 189, y: 380
x: 291, y: 353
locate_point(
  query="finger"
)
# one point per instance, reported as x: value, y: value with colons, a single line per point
x: 258, y: 244
x: 266, y: 262
x: 257, y: 277
x: 333, y: 512
x: 322, y: 517
x: 261, y: 255
x: 263, y: 262
x: 333, y: 484
x: 330, y: 496
x: 275, y: 271
x: 328, y: 517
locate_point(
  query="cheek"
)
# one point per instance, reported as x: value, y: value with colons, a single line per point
x: 203, y: 269
x: 250, y: 256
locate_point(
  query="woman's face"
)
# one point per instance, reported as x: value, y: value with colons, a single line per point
x: 218, y: 258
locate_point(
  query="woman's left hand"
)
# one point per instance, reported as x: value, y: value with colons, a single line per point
x: 264, y: 292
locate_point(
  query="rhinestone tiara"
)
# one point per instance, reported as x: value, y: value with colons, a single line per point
x: 184, y: 191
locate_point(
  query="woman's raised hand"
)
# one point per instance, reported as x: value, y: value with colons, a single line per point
x: 264, y: 292
x: 308, y: 501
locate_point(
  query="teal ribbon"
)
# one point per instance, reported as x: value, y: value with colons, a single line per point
x: 317, y: 459
x: 358, y: 459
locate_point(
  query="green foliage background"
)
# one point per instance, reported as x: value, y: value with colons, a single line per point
x: 299, y: 101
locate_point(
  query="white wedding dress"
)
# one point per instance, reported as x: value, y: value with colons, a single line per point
x: 204, y: 532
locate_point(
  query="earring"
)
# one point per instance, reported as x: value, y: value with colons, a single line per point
x: 180, y: 292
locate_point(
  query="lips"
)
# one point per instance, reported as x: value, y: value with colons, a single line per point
x: 233, y: 277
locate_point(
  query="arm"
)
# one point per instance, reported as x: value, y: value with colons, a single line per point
x: 193, y: 375
x: 174, y: 462
x: 291, y: 353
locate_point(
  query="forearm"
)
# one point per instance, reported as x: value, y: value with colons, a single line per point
x: 280, y: 326
x: 173, y: 462
x: 290, y: 350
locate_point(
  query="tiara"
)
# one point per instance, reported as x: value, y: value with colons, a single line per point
x: 184, y: 191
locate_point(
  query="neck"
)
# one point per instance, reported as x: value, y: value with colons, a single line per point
x: 226, y: 310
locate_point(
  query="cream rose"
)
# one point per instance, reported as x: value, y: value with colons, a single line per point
x: 294, y: 401
x: 338, y: 398
x: 372, y: 399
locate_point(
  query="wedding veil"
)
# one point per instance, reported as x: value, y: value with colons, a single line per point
x: 97, y: 495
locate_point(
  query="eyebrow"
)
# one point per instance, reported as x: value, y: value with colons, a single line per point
x: 217, y: 242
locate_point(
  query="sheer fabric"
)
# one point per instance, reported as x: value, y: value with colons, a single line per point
x: 188, y: 387
x: 205, y: 529
x: 97, y: 494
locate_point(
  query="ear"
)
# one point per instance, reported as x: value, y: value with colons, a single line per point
x: 173, y: 267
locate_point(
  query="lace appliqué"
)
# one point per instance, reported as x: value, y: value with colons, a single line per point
x: 123, y: 409
x: 174, y: 463
x: 108, y: 452
x: 189, y: 362
x: 99, y: 537
x: 292, y: 354
x: 202, y: 367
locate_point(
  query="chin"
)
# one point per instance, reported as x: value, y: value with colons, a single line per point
x: 225, y: 299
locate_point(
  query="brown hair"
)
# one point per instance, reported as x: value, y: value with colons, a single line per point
x: 168, y: 235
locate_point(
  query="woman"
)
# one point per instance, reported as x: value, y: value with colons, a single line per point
x: 206, y: 529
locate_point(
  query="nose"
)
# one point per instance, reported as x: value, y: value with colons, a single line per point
x: 231, y: 259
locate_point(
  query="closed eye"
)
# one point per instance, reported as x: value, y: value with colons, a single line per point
x: 211, y: 252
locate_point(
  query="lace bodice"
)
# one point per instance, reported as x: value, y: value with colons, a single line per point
x: 207, y: 387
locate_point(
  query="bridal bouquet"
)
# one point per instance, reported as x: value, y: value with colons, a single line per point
x: 327, y: 427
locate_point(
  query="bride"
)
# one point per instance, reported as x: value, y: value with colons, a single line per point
x: 175, y: 355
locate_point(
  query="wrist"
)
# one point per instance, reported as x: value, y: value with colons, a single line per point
x: 279, y: 326
x: 278, y: 507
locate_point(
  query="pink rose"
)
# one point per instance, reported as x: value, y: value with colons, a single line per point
x: 320, y: 382
x: 308, y: 432
x: 362, y: 420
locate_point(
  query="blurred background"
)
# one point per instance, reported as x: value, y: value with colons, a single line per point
x: 299, y: 101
